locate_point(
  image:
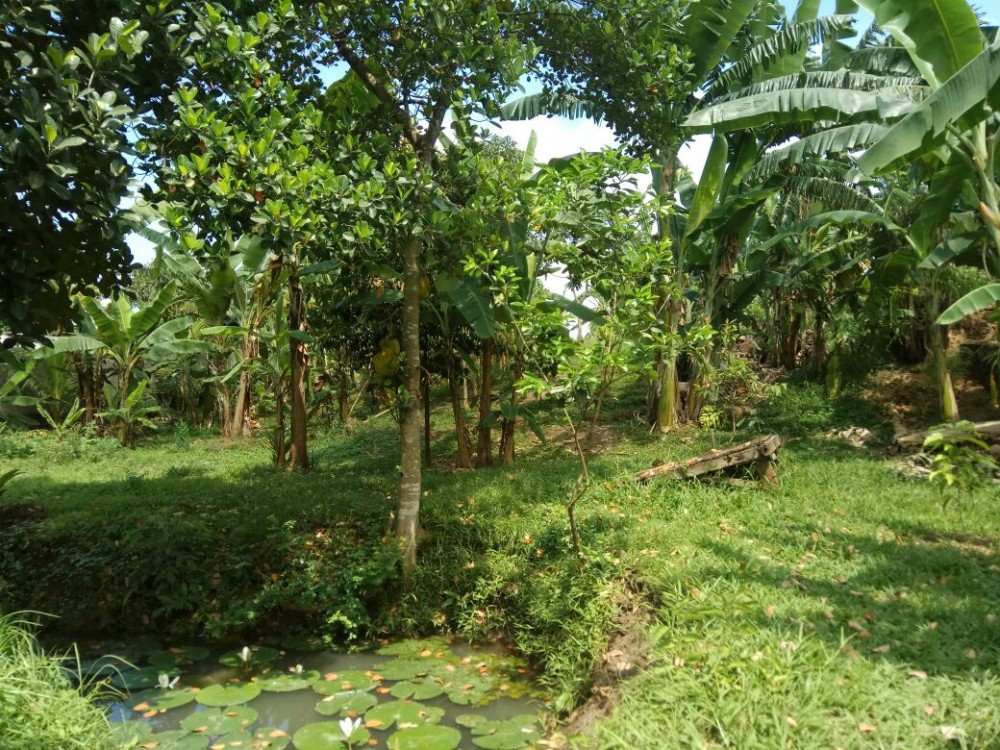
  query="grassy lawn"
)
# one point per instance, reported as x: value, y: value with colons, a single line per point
x: 846, y: 608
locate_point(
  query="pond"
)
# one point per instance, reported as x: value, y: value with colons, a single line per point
x: 428, y: 694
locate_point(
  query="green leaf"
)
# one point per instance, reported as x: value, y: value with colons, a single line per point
x: 941, y: 36
x: 339, y: 682
x: 710, y: 29
x: 178, y: 739
x: 349, y: 701
x: 228, y: 695
x: 795, y: 106
x: 472, y: 304
x: 404, y: 714
x: 420, y: 690
x: 426, y: 738
x: 708, y: 188
x: 216, y: 721
x: 161, y: 700
x: 535, y: 105
x: 840, y: 140
x: 508, y: 734
x: 576, y: 309
x: 973, y: 302
x: 964, y: 100
x: 322, y: 735
x: 286, y: 682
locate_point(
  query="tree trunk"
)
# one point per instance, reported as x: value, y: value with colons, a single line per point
x: 86, y: 387
x: 408, y: 508
x: 298, y: 353
x: 484, y: 453
x: 668, y: 405
x: 242, y: 413
x: 508, y: 427
x: 464, y: 458
x: 426, y: 399
x: 279, y: 424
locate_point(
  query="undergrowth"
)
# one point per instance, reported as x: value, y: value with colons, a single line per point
x: 40, y: 709
x: 846, y: 607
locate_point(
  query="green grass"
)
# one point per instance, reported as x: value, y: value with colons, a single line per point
x: 39, y: 708
x: 847, y: 608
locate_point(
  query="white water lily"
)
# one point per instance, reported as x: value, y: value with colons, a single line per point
x: 297, y: 669
x: 245, y: 654
x: 165, y: 683
x: 349, y: 727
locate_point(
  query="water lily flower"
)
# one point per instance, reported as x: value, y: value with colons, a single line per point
x: 349, y: 727
x: 165, y: 683
x: 245, y: 654
x: 298, y: 669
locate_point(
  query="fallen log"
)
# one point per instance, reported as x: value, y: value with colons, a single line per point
x: 760, y: 454
x: 988, y: 431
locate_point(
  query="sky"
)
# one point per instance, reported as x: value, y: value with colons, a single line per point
x: 559, y: 136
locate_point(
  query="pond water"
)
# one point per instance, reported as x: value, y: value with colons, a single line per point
x: 427, y: 694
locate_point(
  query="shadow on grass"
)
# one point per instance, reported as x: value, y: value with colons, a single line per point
x: 925, y: 599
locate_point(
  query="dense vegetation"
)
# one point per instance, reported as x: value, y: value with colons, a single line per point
x: 275, y: 423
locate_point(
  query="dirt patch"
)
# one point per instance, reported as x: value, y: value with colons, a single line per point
x: 627, y: 653
x: 908, y: 398
x: 968, y: 542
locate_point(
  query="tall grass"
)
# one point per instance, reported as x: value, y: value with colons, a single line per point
x: 40, y: 708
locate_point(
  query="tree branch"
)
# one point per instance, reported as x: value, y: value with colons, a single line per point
x: 378, y: 88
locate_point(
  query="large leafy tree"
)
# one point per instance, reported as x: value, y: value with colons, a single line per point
x: 419, y: 59
x: 64, y: 108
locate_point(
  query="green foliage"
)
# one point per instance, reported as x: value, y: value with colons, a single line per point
x: 960, y: 460
x: 40, y: 709
x: 62, y: 162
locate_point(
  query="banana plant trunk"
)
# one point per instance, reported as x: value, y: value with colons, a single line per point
x: 425, y: 398
x: 667, y: 386
x: 484, y: 453
x: 298, y: 456
x: 243, y: 412
x: 942, y: 373
x: 464, y: 457
x: 408, y: 508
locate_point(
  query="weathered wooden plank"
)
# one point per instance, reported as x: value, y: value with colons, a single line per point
x: 761, y: 451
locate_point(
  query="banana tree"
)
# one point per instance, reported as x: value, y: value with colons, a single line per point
x: 132, y: 341
x: 674, y: 60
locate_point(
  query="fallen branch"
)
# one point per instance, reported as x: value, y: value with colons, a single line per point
x: 761, y: 454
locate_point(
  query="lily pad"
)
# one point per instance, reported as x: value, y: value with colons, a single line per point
x: 426, y: 738
x: 178, y: 739
x: 402, y: 714
x: 508, y: 734
x: 419, y: 690
x: 405, y: 669
x: 469, y: 690
x: 216, y: 721
x: 130, y: 733
x: 142, y: 679
x: 287, y: 682
x: 338, y: 682
x: 178, y: 656
x: 350, y: 701
x: 270, y: 738
x: 160, y: 700
x: 260, y: 656
x: 470, y: 720
x: 228, y: 695
x: 327, y: 735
